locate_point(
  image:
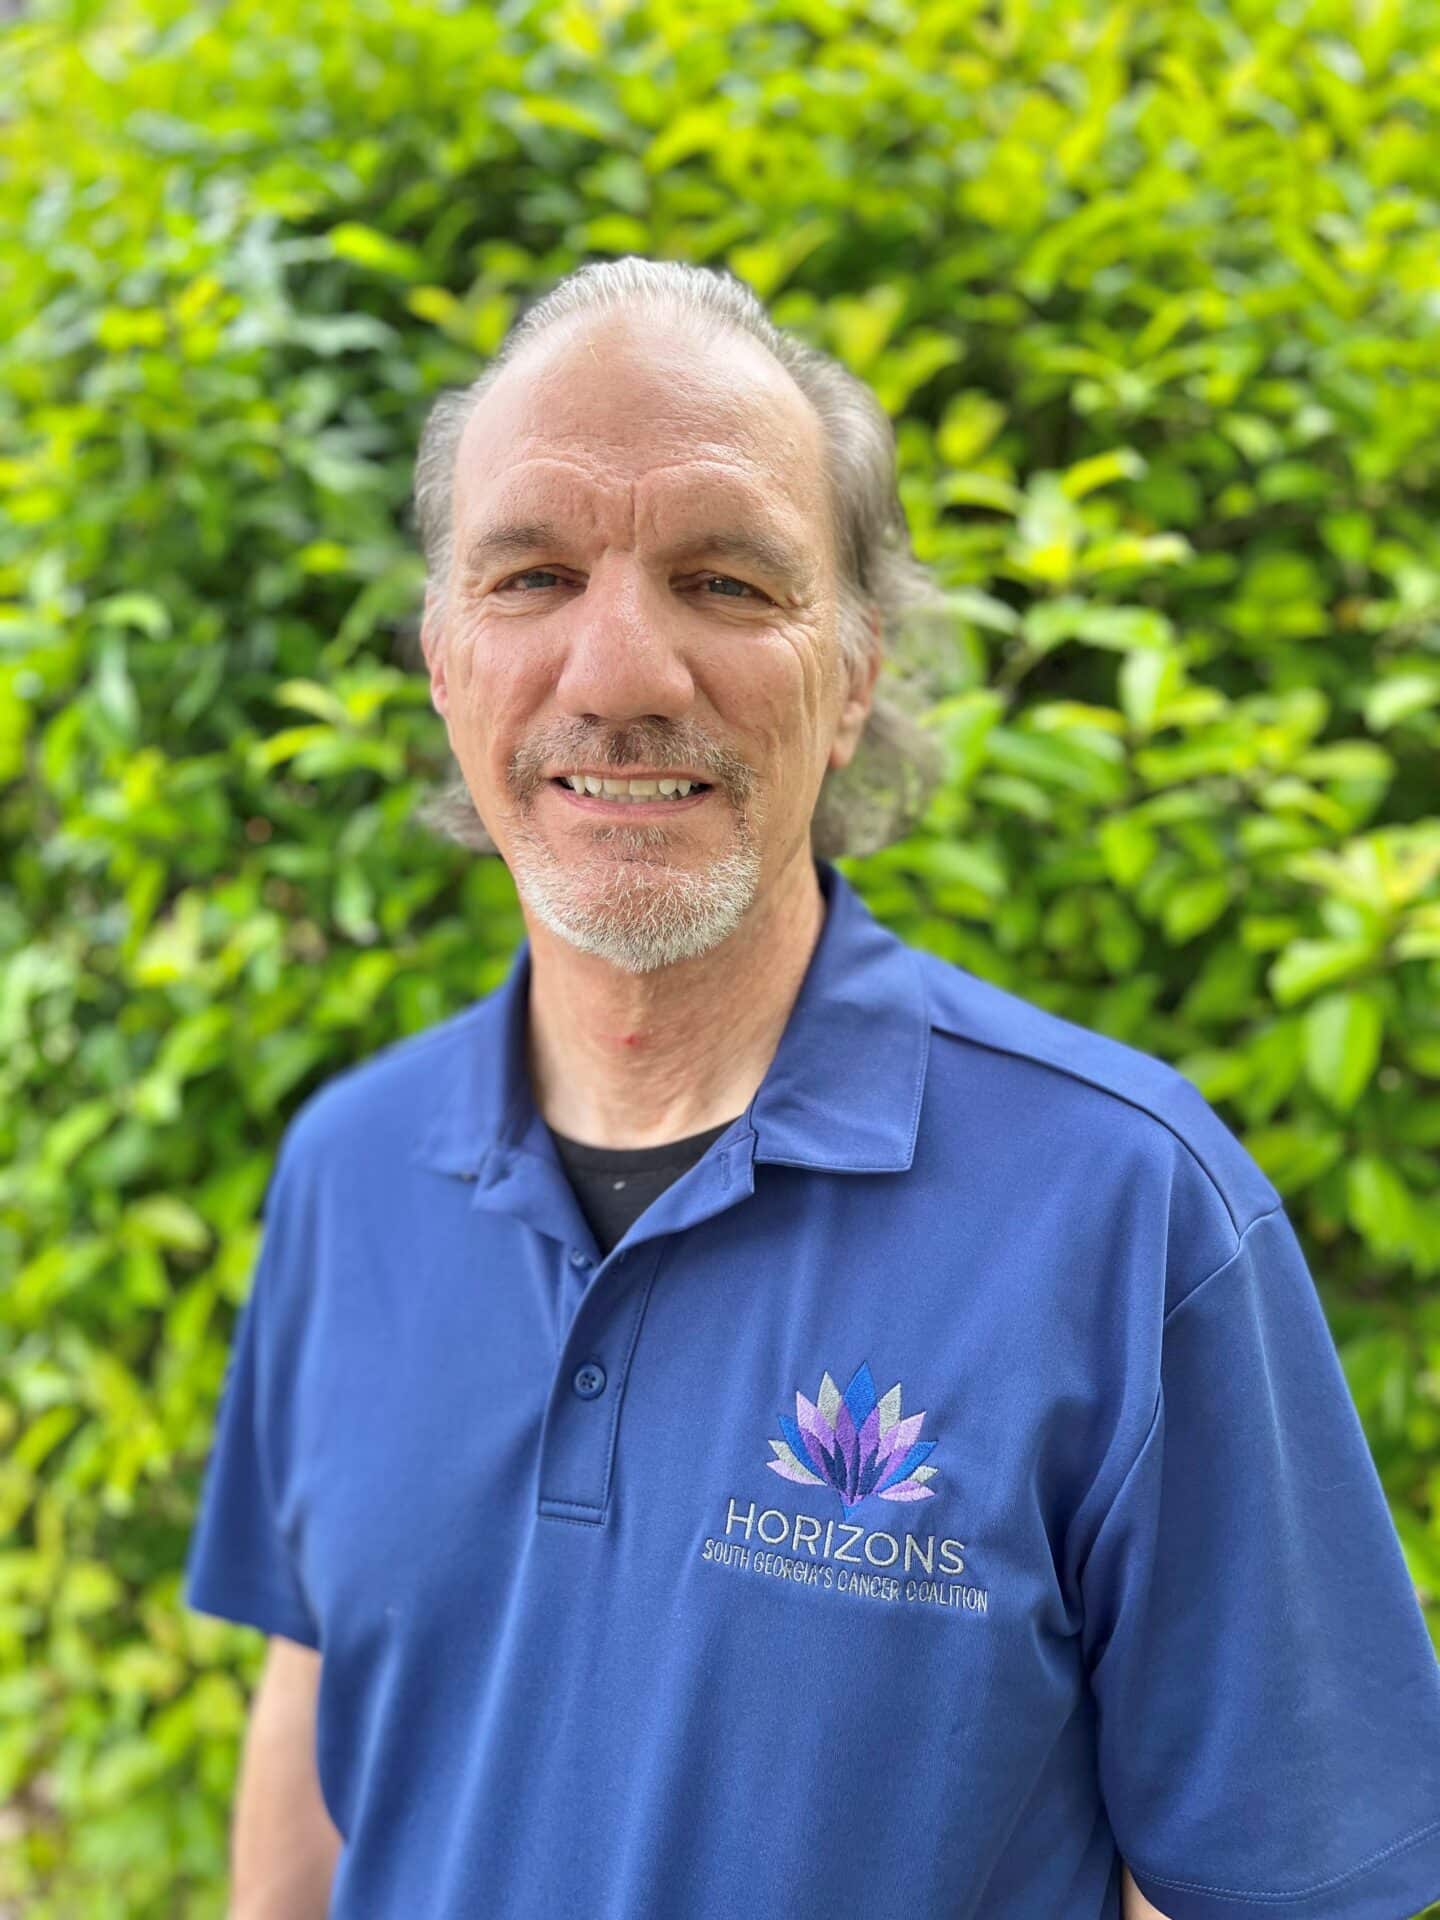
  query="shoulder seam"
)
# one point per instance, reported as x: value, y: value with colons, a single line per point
x: 1228, y: 1261
x: 1020, y: 1053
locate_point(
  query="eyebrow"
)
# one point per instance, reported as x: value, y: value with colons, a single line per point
x: 771, y: 552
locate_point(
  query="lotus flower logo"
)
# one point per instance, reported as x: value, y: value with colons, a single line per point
x: 855, y: 1444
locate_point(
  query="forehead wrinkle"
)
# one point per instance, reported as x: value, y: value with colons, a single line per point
x: 775, y: 530
x: 725, y: 524
x: 654, y: 382
x: 725, y: 398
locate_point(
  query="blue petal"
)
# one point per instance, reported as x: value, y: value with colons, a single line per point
x: 916, y: 1457
x: 860, y: 1396
x: 797, y: 1442
x: 868, y: 1474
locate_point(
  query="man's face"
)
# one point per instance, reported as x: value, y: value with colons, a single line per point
x: 644, y: 585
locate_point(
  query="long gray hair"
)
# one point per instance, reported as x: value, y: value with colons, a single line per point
x: 880, y: 796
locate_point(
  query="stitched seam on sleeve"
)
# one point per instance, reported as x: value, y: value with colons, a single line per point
x: 1225, y: 1264
x: 1303, y: 1893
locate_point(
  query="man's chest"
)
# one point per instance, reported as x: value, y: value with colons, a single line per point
x: 809, y: 1400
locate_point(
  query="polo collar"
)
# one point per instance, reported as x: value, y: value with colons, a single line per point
x: 842, y: 1093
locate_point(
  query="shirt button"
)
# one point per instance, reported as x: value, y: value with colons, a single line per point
x: 579, y: 1259
x: 589, y: 1380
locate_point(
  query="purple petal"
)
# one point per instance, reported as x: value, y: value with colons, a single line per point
x: 815, y: 1431
x: 846, y: 1437
x: 807, y: 1414
x: 901, y: 1437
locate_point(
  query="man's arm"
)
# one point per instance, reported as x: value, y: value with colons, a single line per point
x: 1133, y: 1904
x: 284, y: 1845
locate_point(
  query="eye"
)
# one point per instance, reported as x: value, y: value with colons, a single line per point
x: 549, y: 574
x: 530, y: 573
x: 730, y: 580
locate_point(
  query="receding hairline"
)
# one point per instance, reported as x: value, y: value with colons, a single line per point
x: 571, y: 330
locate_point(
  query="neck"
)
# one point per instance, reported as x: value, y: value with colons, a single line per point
x: 634, y: 1060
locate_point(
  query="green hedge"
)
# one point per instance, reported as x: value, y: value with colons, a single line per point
x: 1151, y: 293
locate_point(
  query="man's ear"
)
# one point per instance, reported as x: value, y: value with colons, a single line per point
x: 432, y: 635
x: 859, y: 696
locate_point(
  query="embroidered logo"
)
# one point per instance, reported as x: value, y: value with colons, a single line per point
x: 855, y: 1444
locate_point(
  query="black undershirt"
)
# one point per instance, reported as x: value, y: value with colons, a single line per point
x: 614, y: 1185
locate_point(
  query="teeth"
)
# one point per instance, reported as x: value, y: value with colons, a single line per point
x: 628, y: 789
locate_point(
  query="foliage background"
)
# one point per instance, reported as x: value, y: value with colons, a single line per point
x: 1151, y: 294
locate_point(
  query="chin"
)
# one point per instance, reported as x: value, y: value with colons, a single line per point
x: 636, y: 913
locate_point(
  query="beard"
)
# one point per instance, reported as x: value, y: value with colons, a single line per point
x: 625, y: 902
x: 613, y: 890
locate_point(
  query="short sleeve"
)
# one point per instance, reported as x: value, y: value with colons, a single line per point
x: 239, y: 1565
x: 1267, y: 1695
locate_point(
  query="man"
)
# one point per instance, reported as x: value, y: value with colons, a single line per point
x: 757, y: 1420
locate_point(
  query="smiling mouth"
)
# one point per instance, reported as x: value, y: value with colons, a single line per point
x: 656, y: 798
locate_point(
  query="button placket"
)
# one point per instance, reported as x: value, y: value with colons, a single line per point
x: 578, y: 1439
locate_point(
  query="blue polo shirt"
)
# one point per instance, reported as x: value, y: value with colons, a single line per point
x: 946, y: 1489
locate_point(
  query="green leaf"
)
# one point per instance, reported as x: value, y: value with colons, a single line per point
x: 43, y: 1435
x: 164, y: 1220
x: 1119, y: 629
x: 351, y: 240
x: 1194, y: 905
x: 964, y: 722
x: 1128, y: 845
x: 862, y: 324
x: 1294, y: 1157
x: 1307, y: 965
x: 969, y: 423
x: 766, y: 264
x: 1128, y: 550
x: 1054, y: 762
x: 88, y: 1587
x: 310, y: 697
x: 1220, y: 1073
x: 1379, y: 1205
x: 949, y: 863
x: 1149, y: 678
x: 1400, y: 698
x: 1343, y: 1032
x: 142, y: 610
x: 114, y: 691
x: 975, y: 489
x: 983, y: 609
x: 1119, y: 463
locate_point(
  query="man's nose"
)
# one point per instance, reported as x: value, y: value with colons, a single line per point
x: 623, y: 655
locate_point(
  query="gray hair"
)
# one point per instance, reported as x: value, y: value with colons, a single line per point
x: 897, y: 764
